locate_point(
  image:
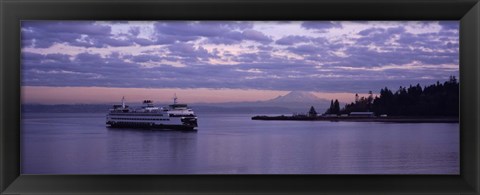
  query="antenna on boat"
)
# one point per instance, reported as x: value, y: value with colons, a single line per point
x: 123, y: 102
x: 175, y: 98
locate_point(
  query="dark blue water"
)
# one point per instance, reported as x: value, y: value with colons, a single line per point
x: 79, y: 143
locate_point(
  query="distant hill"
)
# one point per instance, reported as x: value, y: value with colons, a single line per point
x: 66, y: 108
x: 293, y: 102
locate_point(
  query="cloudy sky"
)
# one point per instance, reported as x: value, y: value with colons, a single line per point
x: 218, y: 61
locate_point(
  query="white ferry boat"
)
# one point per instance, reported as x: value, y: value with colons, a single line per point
x: 175, y: 116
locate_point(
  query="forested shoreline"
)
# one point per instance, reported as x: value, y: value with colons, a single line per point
x: 439, y: 99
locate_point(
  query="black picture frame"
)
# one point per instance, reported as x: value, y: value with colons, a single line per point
x: 14, y: 11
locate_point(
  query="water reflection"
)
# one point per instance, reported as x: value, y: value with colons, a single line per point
x: 141, y: 150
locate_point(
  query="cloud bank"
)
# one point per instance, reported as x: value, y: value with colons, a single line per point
x: 311, y: 56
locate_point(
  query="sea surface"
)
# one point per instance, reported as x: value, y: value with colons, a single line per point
x: 80, y: 143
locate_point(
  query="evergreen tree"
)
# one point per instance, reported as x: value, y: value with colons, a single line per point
x: 330, y: 110
x: 336, y: 107
x: 312, y: 112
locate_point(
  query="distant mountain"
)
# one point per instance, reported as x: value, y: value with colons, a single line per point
x: 299, y: 101
x: 295, y: 101
x: 297, y: 96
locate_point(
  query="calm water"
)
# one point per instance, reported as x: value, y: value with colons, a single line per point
x: 79, y: 143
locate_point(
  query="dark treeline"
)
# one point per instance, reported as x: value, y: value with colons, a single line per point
x: 440, y: 99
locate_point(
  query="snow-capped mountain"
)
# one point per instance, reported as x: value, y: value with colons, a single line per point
x: 295, y: 101
x: 297, y: 96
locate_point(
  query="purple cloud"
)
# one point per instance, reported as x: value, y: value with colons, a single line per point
x: 256, y: 36
x: 216, y: 32
x: 265, y: 47
x: 320, y: 25
x: 292, y: 39
x: 235, y: 37
x: 186, y: 29
x: 304, y: 49
x: 63, y: 58
x: 189, y: 52
x: 32, y: 56
x: 45, y: 34
x: 227, y: 38
x: 449, y: 25
x: 134, y: 31
x: 79, y: 27
x: 379, y: 36
x: 199, y: 29
x: 87, y: 58
x: 144, y: 58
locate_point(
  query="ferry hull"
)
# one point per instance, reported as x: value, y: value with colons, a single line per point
x: 152, y: 126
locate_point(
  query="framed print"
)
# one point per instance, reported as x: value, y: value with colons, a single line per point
x: 239, y: 97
